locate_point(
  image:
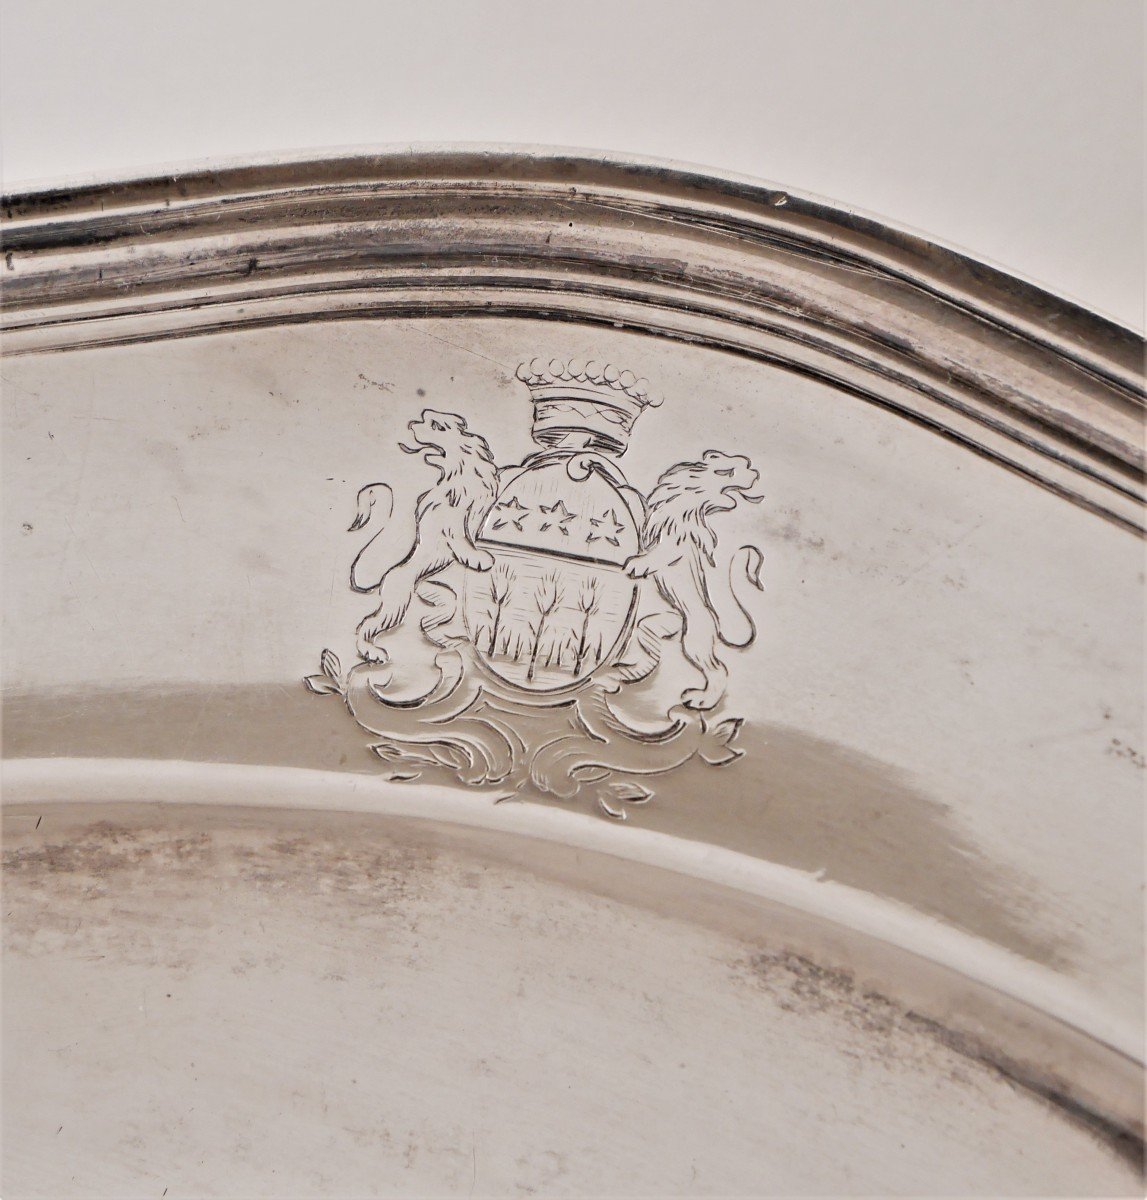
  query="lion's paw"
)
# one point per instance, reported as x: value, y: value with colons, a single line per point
x: 701, y: 699
x: 370, y: 652
x: 637, y: 567
x: 365, y: 643
x: 474, y: 559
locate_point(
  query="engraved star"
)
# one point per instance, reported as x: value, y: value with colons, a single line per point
x: 610, y: 527
x: 514, y: 514
x: 561, y: 517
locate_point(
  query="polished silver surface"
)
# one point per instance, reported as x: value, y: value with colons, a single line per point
x: 685, y: 572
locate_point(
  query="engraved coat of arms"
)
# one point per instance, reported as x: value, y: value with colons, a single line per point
x: 546, y: 595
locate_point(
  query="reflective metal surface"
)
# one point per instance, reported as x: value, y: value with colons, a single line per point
x: 733, y: 668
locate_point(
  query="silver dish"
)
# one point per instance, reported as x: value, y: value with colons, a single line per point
x: 711, y: 762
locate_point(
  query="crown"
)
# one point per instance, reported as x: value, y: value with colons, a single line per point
x: 597, y: 402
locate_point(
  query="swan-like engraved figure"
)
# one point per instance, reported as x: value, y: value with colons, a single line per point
x: 677, y: 543
x: 447, y: 520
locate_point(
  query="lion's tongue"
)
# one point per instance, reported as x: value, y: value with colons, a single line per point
x: 415, y: 449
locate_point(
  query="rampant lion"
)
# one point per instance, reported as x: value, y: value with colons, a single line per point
x: 447, y: 520
x: 677, y: 543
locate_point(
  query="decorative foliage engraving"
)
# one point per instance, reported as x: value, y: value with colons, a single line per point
x: 540, y: 592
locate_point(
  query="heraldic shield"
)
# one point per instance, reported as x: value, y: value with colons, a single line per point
x: 557, y: 603
x: 535, y: 594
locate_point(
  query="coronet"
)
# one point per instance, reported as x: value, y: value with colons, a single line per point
x: 586, y: 375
